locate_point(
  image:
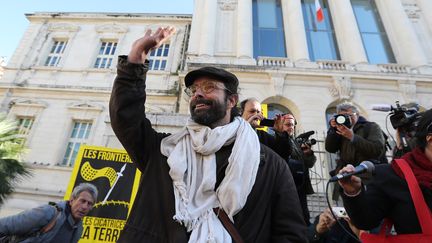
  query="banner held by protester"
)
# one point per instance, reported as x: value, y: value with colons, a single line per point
x: 116, y: 177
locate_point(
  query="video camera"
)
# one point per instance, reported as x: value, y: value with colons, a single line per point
x: 405, y: 117
x: 304, y: 139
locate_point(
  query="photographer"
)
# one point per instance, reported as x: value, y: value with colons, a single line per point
x: 353, y: 137
x: 388, y: 195
x: 251, y: 112
x: 404, y: 119
x: 325, y: 229
x: 301, y: 159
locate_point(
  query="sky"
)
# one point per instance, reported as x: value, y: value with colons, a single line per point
x: 13, y: 22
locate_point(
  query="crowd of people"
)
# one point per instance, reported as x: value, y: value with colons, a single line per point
x: 222, y: 178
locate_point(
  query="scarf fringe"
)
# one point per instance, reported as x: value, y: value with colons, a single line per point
x: 191, y: 224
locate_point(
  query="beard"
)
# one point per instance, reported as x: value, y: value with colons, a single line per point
x: 213, y: 114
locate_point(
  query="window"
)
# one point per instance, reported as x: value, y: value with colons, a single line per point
x: 24, y: 126
x: 374, y: 37
x: 268, y: 33
x: 105, y: 55
x: 79, y: 135
x: 158, y: 58
x: 320, y: 35
x: 56, y: 53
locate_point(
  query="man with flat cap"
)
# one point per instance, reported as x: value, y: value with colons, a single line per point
x: 212, y: 181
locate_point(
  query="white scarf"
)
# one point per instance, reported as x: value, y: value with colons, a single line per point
x: 192, y: 161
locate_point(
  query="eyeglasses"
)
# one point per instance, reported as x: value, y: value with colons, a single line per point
x: 206, y: 86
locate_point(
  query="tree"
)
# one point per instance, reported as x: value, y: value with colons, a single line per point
x: 11, y: 149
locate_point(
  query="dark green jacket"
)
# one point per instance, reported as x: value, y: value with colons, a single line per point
x: 367, y: 144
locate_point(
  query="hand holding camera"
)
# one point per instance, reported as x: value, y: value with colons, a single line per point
x: 342, y: 124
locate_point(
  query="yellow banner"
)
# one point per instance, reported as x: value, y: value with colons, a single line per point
x: 117, y: 180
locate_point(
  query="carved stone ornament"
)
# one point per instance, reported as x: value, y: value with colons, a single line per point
x: 28, y: 102
x: 412, y: 11
x: 278, y: 83
x: 341, y: 88
x: 86, y: 105
x: 111, y: 28
x: 227, y: 5
x: 408, y: 89
x: 63, y: 27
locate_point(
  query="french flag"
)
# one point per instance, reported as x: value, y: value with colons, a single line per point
x: 319, y: 11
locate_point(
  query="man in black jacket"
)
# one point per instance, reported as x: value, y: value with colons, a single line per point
x: 301, y: 159
x: 215, y: 161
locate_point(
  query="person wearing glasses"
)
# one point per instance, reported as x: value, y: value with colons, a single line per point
x: 210, y: 175
x: 387, y: 195
x: 354, y: 139
x: 250, y: 110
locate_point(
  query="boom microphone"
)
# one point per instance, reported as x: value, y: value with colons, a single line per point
x: 382, y: 107
x: 364, y: 167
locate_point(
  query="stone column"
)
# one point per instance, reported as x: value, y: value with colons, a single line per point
x: 244, y: 29
x: 194, y: 39
x: 294, y: 28
x: 208, y: 28
x: 347, y: 32
x: 404, y: 41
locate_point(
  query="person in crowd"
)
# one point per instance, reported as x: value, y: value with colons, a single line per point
x: 54, y: 222
x: 388, y: 195
x: 300, y: 160
x: 325, y: 229
x: 354, y: 139
x: 251, y: 111
x: 214, y: 166
x: 405, y: 132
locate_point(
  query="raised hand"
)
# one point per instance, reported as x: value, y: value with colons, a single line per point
x: 150, y: 41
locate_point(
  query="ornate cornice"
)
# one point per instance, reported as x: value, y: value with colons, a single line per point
x: 63, y: 27
x: 111, y: 28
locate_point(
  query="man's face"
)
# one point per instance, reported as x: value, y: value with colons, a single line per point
x: 352, y: 115
x: 289, y: 126
x: 210, y: 106
x: 81, y: 205
x: 252, y: 108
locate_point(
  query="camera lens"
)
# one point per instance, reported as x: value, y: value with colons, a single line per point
x: 341, y: 119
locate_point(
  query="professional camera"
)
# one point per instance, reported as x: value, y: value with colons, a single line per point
x: 342, y: 119
x: 404, y: 117
x: 304, y: 139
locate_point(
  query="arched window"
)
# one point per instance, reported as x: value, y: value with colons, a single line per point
x: 374, y: 37
x: 320, y: 35
x: 268, y: 33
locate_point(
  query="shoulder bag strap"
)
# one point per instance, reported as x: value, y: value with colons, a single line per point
x: 423, y: 212
x: 229, y: 226
x: 51, y: 224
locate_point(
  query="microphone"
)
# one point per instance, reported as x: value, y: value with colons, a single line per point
x: 365, y: 167
x: 382, y: 107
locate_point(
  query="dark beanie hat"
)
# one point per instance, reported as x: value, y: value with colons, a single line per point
x: 229, y: 79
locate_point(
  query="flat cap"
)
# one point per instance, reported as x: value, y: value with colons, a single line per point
x: 229, y: 79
